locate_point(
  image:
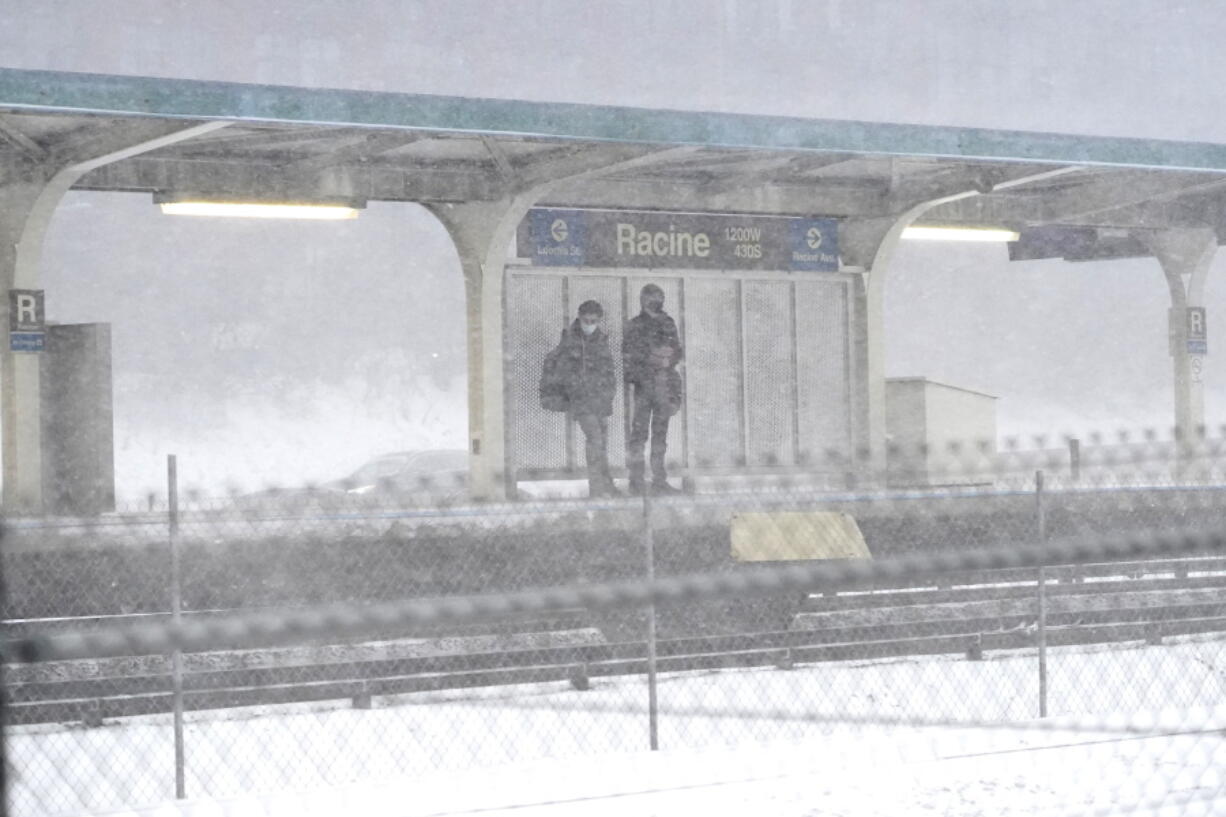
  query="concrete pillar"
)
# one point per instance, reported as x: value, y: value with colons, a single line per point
x: 870, y: 244
x: 482, y: 233
x: 1185, y: 257
x: 29, y: 194
x: 20, y: 416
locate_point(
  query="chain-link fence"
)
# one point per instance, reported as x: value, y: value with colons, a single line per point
x: 971, y: 632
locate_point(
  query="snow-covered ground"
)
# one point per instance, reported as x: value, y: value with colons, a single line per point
x: 1128, y: 726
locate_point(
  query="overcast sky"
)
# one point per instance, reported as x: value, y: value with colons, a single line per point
x: 1066, y: 347
x: 1136, y: 68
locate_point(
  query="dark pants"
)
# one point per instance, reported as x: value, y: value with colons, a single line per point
x: 650, y: 413
x: 596, y: 449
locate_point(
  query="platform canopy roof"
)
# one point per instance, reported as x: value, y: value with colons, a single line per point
x: 1077, y: 197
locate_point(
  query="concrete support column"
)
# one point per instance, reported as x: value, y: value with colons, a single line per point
x: 1185, y: 257
x: 22, y: 223
x: 870, y: 244
x: 482, y: 233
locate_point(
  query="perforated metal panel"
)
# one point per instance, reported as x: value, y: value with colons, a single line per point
x: 713, y: 365
x: 822, y: 356
x: 610, y: 292
x: 770, y: 370
x: 767, y: 371
x: 536, y: 315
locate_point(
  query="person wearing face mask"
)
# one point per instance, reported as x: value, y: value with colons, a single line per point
x: 651, y: 350
x: 590, y: 382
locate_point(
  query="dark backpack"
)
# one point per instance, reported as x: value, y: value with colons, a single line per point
x: 553, y: 383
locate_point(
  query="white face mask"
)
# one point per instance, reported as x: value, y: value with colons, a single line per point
x: 587, y: 328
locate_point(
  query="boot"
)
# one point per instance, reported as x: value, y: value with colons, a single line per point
x: 662, y: 488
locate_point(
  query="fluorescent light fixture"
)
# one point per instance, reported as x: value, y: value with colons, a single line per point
x: 959, y: 234
x: 251, y: 209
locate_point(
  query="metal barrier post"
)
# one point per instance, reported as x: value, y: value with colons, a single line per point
x: 1042, y: 624
x: 649, y: 547
x: 1074, y: 458
x: 176, y: 604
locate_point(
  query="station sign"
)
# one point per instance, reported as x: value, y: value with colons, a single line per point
x: 1198, y: 335
x: 624, y: 238
x: 27, y: 320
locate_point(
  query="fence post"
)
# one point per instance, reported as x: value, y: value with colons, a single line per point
x: 1042, y: 580
x: 176, y: 605
x: 649, y: 548
x: 1074, y: 458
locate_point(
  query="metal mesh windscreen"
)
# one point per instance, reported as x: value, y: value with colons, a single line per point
x: 823, y: 361
x: 536, y: 315
x: 773, y: 393
x: 713, y: 358
x: 770, y: 373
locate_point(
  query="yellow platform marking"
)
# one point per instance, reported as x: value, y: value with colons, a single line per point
x: 791, y: 536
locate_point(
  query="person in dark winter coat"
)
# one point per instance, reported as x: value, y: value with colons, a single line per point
x: 590, y: 382
x: 651, y: 350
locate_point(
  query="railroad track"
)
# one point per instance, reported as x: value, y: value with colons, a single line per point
x: 970, y: 614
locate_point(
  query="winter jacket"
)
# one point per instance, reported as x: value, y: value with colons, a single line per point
x: 586, y: 369
x: 651, y: 348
